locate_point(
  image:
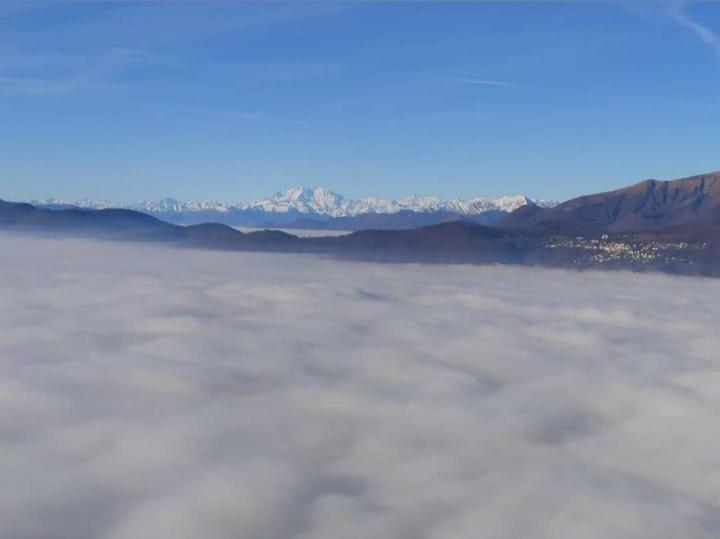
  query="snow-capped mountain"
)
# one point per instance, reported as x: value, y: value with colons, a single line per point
x: 306, y: 200
x: 320, y: 201
x: 88, y: 203
x: 285, y: 207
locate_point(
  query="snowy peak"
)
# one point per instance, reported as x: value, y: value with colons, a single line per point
x: 304, y: 200
x: 319, y: 201
x: 78, y: 203
x: 162, y: 205
x: 172, y: 205
x: 478, y: 205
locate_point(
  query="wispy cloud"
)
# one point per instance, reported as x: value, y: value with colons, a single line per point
x: 91, y: 73
x: 487, y: 82
x: 706, y: 34
x: 125, y: 36
x: 39, y: 86
x: 33, y: 86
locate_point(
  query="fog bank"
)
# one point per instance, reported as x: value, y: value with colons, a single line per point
x: 157, y: 393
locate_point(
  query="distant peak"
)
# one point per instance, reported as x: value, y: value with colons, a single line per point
x: 319, y: 200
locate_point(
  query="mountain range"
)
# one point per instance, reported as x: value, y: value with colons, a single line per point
x: 671, y: 226
x: 688, y: 204
x: 317, y: 207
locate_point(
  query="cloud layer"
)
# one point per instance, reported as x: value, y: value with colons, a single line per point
x: 153, y: 393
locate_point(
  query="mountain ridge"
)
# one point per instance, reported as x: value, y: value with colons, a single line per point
x: 645, y: 206
x: 649, y: 226
x: 317, y: 202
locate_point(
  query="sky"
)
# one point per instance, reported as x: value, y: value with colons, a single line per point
x: 233, y: 101
x: 230, y: 395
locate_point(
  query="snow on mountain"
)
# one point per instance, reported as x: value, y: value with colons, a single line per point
x: 318, y: 201
x: 172, y: 205
x: 80, y: 203
x: 305, y: 200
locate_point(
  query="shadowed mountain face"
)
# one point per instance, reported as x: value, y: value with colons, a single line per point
x: 133, y: 225
x: 401, y: 220
x: 650, y: 205
x: 110, y: 221
x: 454, y: 241
x: 405, y: 220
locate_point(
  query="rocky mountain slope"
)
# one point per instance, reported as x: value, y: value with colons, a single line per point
x: 650, y: 205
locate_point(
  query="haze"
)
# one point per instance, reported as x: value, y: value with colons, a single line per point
x: 155, y: 393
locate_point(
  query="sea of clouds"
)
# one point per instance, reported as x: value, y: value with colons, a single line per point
x: 160, y: 393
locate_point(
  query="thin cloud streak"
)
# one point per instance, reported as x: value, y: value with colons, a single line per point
x: 89, y: 73
x: 706, y: 34
x: 32, y: 86
x: 488, y: 82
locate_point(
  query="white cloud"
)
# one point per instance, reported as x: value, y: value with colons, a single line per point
x: 706, y: 34
x: 167, y: 394
x: 488, y: 82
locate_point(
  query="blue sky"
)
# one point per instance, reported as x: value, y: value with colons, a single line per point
x: 235, y: 100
